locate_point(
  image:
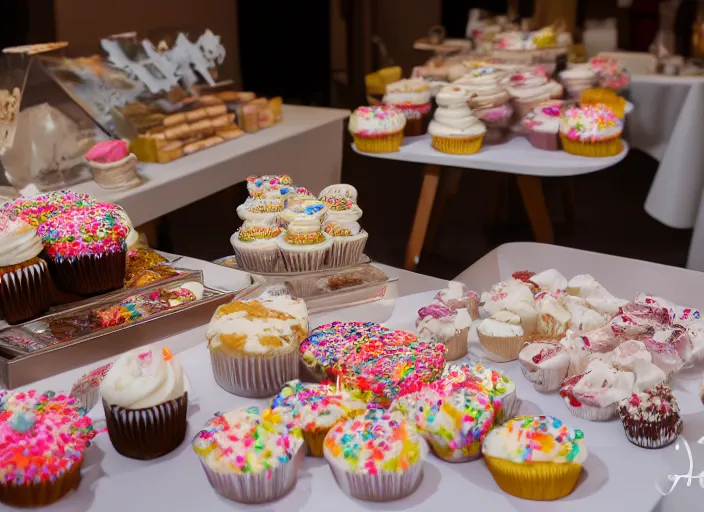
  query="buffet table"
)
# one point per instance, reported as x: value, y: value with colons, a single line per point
x: 286, y: 145
x: 614, y: 468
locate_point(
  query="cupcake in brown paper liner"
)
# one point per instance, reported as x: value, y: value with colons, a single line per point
x: 651, y: 419
x: 25, y: 288
x: 146, y: 403
x: 254, y: 344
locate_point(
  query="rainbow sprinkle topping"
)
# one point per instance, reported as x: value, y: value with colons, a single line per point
x: 37, y: 210
x: 258, y: 233
x: 590, y: 123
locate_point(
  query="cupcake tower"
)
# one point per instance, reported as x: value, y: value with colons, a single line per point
x: 286, y: 228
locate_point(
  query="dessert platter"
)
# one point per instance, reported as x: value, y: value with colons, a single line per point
x: 534, y: 388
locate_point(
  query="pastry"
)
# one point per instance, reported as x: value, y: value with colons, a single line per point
x: 45, y: 436
x: 304, y: 245
x: 596, y: 296
x: 251, y: 455
x: 502, y: 340
x: 553, y: 318
x: 591, y: 130
x: 501, y: 389
x: 178, y: 132
x: 250, y: 118
x: 577, y: 80
x: 377, y: 129
x: 174, y: 120
x: 146, y: 403
x: 454, y: 127
x: 25, y: 286
x: 515, y: 296
x: 378, y: 457
x: 112, y: 165
x: 199, y: 113
x: 455, y: 297
x: 230, y: 133
x: 228, y: 96
x: 202, y: 128
x: 265, y: 117
x: 216, y: 110
x: 348, y: 242
x: 651, y: 419
x: 255, y: 245
x: 535, y: 457
x: 254, y: 344
x: 543, y: 123
x: 412, y: 97
x: 316, y: 408
x: 544, y: 364
x: 275, y: 104
x: 437, y: 323
x: 208, y: 100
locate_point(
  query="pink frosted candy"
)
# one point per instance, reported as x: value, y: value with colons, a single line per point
x: 108, y: 151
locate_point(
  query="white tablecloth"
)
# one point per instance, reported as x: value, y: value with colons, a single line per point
x: 668, y: 124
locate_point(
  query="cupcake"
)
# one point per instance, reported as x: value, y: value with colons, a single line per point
x: 454, y: 127
x: 454, y: 420
x: 543, y: 123
x: 112, y: 165
x: 535, y: 457
x: 544, y: 364
x: 651, y: 419
x: 86, y: 249
x: 334, y: 193
x: 255, y: 246
x: 502, y: 340
x: 254, y: 344
x: 594, y: 395
x: 378, y: 457
x: 412, y: 97
x: 251, y: 456
x: 595, y: 295
x: 577, y: 80
x: 348, y: 242
x: 604, y: 96
x: 44, y: 439
x: 456, y: 297
x: 86, y: 389
x: 304, y: 209
x: 25, y: 288
x: 490, y: 101
x: 146, y: 403
x: 670, y: 348
x: 259, y: 186
x: 514, y: 296
x: 611, y: 73
x: 549, y: 280
x: 529, y: 89
x: 321, y: 350
x: 553, y: 319
x: 304, y: 246
x: 261, y: 209
x: 316, y: 408
x: 583, y: 317
x: 377, y: 129
x: 39, y: 209
x: 501, y: 389
x: 437, y: 323
x: 591, y: 130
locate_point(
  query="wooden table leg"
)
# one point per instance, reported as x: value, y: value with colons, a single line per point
x: 422, y: 217
x: 534, y: 201
x: 447, y: 191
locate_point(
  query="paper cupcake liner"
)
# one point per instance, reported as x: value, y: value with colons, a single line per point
x: 602, y: 149
x: 116, y: 175
x: 457, y: 346
x: 254, y: 376
x: 304, y: 261
x: 652, y: 435
x: 414, y: 126
x: 258, y: 259
x: 384, y: 486
x: 89, y: 399
x: 502, y: 349
x: 87, y: 275
x: 546, y: 379
x: 442, y: 451
x: 256, y: 488
x: 314, y: 441
x: 458, y: 145
x: 25, y: 291
x: 544, y: 141
x: 382, y: 144
x: 510, y: 404
x: 540, y: 481
x: 42, y: 493
x: 346, y: 251
x: 148, y: 433
x: 591, y: 413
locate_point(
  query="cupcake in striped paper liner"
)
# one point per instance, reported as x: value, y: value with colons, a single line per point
x: 535, y: 457
x: 87, y: 388
x: 452, y: 417
x: 251, y: 455
x: 501, y: 336
x: 304, y: 245
x: 376, y: 457
x: 457, y: 297
x: 254, y: 344
x: 348, y: 241
x: 145, y: 399
x: 651, y: 418
x: 316, y: 408
x: 44, y: 439
x: 437, y: 323
x: 255, y: 246
x: 594, y: 395
x: 544, y: 364
x: 501, y: 389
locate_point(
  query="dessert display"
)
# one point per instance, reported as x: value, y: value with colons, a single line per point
x: 377, y: 457
x: 45, y: 437
x: 591, y: 130
x: 377, y: 129
x: 412, y: 97
x: 651, y: 418
x: 454, y: 128
x: 146, y: 403
x: 251, y: 455
x: 437, y: 323
x: 254, y: 344
x: 112, y: 165
x: 535, y: 457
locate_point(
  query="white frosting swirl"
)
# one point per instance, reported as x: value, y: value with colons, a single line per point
x: 19, y: 242
x: 413, y: 91
x: 454, y: 118
x: 491, y: 327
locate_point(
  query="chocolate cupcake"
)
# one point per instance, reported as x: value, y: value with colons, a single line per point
x: 86, y: 248
x: 651, y: 419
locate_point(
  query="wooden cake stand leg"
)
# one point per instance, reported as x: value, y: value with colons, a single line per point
x: 424, y: 208
x: 533, y: 199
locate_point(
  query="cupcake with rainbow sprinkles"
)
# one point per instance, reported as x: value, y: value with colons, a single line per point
x: 591, y: 130
x: 377, y: 129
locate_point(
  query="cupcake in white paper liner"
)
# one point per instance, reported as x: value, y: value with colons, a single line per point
x: 515, y: 296
x: 251, y: 455
x: 348, y: 242
x: 544, y: 365
x: 377, y: 457
x: 502, y: 340
x: 670, y: 348
x: 437, y: 323
x: 502, y: 390
x: 255, y: 245
x: 304, y: 246
x: 87, y: 388
x: 456, y: 297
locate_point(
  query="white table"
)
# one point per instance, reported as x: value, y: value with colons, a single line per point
x: 669, y: 125
x: 516, y: 156
x: 614, y: 469
x: 284, y: 148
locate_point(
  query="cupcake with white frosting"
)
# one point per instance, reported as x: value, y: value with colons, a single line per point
x: 454, y: 127
x: 437, y: 323
x: 456, y: 297
x: 544, y: 364
x: 529, y: 89
x: 348, y: 241
x: 514, y: 296
x: 377, y: 129
x: 501, y: 389
x: 543, y: 123
x: 263, y: 209
x: 591, y: 130
x: 255, y: 245
x: 412, y: 97
x: 338, y: 191
x: 553, y: 318
x: 502, y: 340
x: 303, y: 245
x: 577, y: 80
x: 146, y: 403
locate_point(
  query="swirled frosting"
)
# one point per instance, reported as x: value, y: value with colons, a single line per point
x: 531, y: 86
x: 336, y: 227
x: 18, y: 242
x: 590, y: 123
x: 544, y: 119
x: 338, y: 191
x: 485, y: 84
x: 453, y: 117
x: 258, y: 231
x: 376, y: 121
x: 305, y: 209
x: 413, y: 91
x: 261, y: 208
